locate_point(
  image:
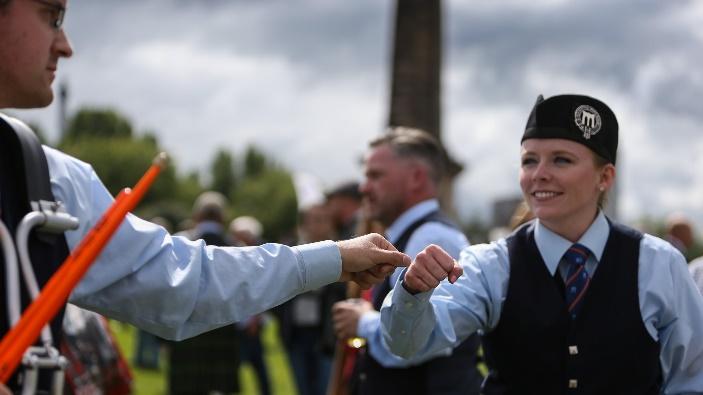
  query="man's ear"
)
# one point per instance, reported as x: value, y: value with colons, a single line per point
x: 418, y: 175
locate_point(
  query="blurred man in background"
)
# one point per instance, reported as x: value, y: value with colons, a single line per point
x: 679, y: 232
x: 344, y: 202
x: 403, y: 170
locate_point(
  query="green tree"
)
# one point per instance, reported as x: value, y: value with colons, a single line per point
x: 270, y: 197
x: 265, y: 191
x: 255, y: 162
x: 189, y: 187
x: 95, y: 122
x: 121, y: 162
x: 105, y: 139
x: 224, y: 176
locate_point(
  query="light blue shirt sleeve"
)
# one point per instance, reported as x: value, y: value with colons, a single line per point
x: 671, y: 307
x: 696, y: 270
x: 169, y: 285
x: 431, y: 321
x: 672, y: 310
x: 453, y: 241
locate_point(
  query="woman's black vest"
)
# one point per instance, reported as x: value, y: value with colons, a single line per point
x: 537, y: 349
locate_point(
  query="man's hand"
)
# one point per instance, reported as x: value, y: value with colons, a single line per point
x: 368, y: 259
x: 4, y: 390
x: 346, y: 315
x: 431, y: 266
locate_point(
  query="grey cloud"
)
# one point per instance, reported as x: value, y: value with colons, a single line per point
x: 641, y: 55
x: 335, y: 37
x: 600, y: 40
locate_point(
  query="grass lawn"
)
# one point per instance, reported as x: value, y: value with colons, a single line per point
x: 153, y: 382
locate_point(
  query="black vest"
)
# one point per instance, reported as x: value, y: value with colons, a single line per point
x: 537, y: 349
x: 24, y: 176
x: 452, y: 375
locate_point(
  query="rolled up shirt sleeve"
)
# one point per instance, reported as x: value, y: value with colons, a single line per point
x: 424, y: 324
x: 407, y: 321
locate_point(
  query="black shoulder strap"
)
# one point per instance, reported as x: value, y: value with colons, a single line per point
x: 435, y: 216
x: 24, y: 178
x: 36, y: 169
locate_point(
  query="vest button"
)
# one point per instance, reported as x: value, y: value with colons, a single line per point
x: 573, y: 350
x: 573, y: 383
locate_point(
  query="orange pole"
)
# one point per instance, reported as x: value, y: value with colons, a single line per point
x: 60, y: 285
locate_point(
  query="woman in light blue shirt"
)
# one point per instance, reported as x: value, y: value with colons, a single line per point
x: 570, y: 301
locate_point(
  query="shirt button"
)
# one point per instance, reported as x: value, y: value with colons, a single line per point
x: 573, y: 383
x: 403, y: 332
x: 573, y: 350
x: 409, y: 304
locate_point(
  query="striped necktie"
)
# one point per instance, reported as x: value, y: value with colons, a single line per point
x: 577, y: 279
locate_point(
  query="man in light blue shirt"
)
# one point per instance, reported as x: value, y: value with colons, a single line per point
x: 403, y: 169
x: 169, y: 285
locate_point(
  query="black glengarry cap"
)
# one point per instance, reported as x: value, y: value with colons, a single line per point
x: 582, y: 119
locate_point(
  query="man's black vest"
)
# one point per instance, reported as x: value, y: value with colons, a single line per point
x: 537, y: 349
x: 452, y: 375
x: 24, y: 177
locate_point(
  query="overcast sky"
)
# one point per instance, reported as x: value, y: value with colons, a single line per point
x: 307, y: 81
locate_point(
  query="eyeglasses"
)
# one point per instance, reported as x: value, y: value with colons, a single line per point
x: 58, y: 12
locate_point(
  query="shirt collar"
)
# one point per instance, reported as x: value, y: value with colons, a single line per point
x: 409, y: 216
x: 552, y: 246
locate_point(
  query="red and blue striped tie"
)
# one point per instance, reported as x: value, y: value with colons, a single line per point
x: 577, y: 279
